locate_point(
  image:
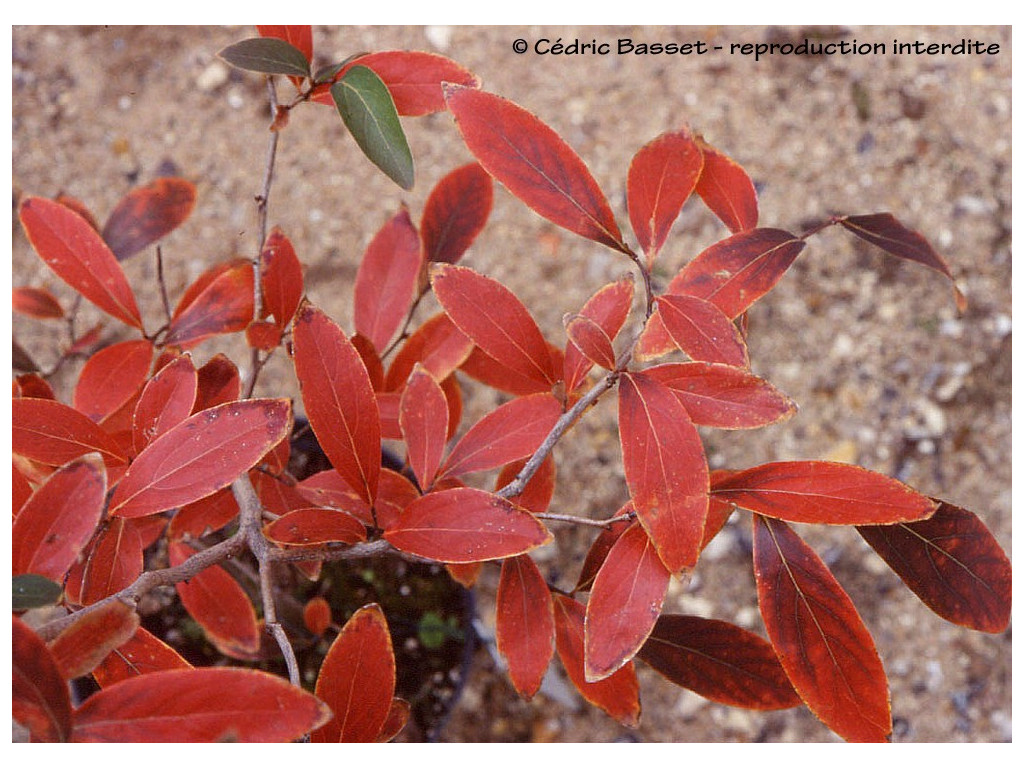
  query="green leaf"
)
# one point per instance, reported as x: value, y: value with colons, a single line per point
x: 34, y: 591
x: 369, y: 113
x: 328, y: 73
x: 268, y: 55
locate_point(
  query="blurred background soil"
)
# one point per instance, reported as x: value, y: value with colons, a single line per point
x: 886, y: 373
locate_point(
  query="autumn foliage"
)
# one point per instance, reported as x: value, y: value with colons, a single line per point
x: 160, y: 469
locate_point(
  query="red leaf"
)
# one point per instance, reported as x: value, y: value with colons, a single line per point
x: 455, y: 213
x: 202, y: 454
x: 81, y: 647
x: 497, y: 322
x: 36, y: 302
x: 625, y: 601
x: 204, y: 516
x: 280, y: 278
x: 665, y: 468
x: 79, y: 257
x: 313, y: 526
x: 115, y: 561
x: 540, y: 488
x: 662, y: 175
x: 534, y: 163
x: 512, y: 431
x: 396, y: 493
x: 600, y: 548
x: 618, y: 694
x: 466, y: 525
x: 148, y: 214
x: 219, y: 605
x: 78, y: 207
x: 823, y: 492
x: 397, y: 717
x: 111, y: 377
x: 702, y: 331
x: 438, y: 345
x: 52, y: 433
x: 33, y: 385
x: 721, y: 396
x: 39, y: 698
x: 262, y: 335
x: 489, y: 372
x: 316, y: 615
x: 826, y: 650
x: 387, y: 278
x: 21, y: 489
x: 719, y: 661
x: 727, y: 190
x: 166, y: 401
x: 588, y: 337
x: 525, y: 623
x: 141, y: 655
x: 59, y: 519
x: 218, y: 383
x: 221, y: 301
x: 953, y: 563
x: 357, y: 679
x: 423, y: 417
x: 199, y: 705
x: 329, y: 489
x: 277, y: 496
x: 299, y: 35
x: 339, y: 400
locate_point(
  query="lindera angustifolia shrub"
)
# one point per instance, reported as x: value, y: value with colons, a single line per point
x: 161, y: 473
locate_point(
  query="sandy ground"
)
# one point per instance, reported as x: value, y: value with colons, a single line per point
x: 886, y: 373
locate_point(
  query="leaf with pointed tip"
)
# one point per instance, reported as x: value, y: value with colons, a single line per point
x: 220, y: 301
x: 716, y: 395
x: 662, y: 175
x: 525, y: 623
x: 313, y: 526
x: 166, y: 401
x: 590, y: 338
x: 608, y: 308
x: 369, y: 113
x: 600, y: 548
x: 281, y: 279
x: 36, y: 302
x: 423, y: 418
x: 495, y: 319
x: 625, y: 601
x: 438, y: 345
x: 268, y: 56
x: 511, y: 431
x: 52, y: 433
x: 466, y: 525
x: 299, y: 35
x: 339, y: 399
x: 534, y: 163
x: 201, y: 455
x: 396, y: 720
x: 727, y: 189
x: 78, y: 256
x: 455, y: 213
x: 81, y: 647
x: 114, y: 562
x: 819, y: 637
x: 702, y: 330
x: 148, y: 214
x: 199, y: 705
x: 823, y: 492
x: 953, y: 563
x: 719, y: 661
x: 665, y: 467
x: 357, y: 679
x: 618, y: 694
x: 142, y: 654
x: 111, y: 377
x: 386, y: 280
x: 40, y: 700
x: 59, y: 519
x: 484, y: 369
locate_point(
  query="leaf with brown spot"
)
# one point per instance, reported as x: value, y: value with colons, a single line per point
x: 455, y: 213
x: 148, y: 214
x: 219, y: 302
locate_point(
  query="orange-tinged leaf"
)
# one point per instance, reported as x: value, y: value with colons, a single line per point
x: 313, y: 526
x: 823, y: 492
x: 397, y: 717
x: 423, y: 418
x: 148, y: 214
x: 819, y: 637
x: 36, y: 302
x: 316, y: 615
x: 466, y: 525
x: 222, y: 303
x: 357, y: 679
x: 665, y: 467
x: 534, y: 163
x: 141, y: 654
x: 618, y: 694
x: 52, y: 433
x: 83, y: 645
x: 722, y: 396
x: 625, y: 601
x: 262, y: 335
x: 78, y: 256
x: 199, y: 705
x: 386, y: 280
x: 201, y: 455
x: 280, y: 278
x: 455, y: 213
x: 59, y: 518
x: 111, y: 377
x: 727, y: 189
x: 953, y: 563
x: 702, y: 331
x: 39, y: 698
x: 494, y: 318
x: 114, y: 562
x: 525, y: 623
x: 339, y: 400
x: 166, y: 401
x: 662, y: 176
x: 719, y: 661
x: 438, y: 345
x: 510, y: 432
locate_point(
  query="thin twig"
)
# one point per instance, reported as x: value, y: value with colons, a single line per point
x: 583, y: 520
x: 161, y: 283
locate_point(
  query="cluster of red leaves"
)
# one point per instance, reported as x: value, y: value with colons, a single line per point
x: 150, y: 444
